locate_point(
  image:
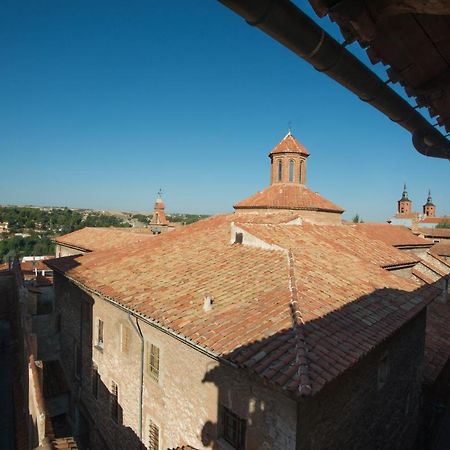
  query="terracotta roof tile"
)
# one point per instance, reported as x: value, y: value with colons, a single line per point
x: 437, y: 341
x: 434, y: 220
x: 289, y: 144
x: 396, y: 235
x: 288, y: 196
x: 441, y: 249
x: 434, y: 232
x: 90, y: 238
x: 348, y: 303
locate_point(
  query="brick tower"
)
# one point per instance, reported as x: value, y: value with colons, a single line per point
x: 429, y: 209
x: 288, y: 161
x: 404, y: 204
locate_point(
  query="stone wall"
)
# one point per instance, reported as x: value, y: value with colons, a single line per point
x: 356, y: 411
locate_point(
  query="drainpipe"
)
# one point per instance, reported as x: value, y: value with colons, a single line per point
x: 141, y: 394
x: 287, y: 24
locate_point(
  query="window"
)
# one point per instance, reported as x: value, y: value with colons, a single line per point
x: 76, y: 360
x: 153, y: 436
x: 300, y: 173
x: 238, y: 238
x: 114, y: 402
x: 100, y: 333
x: 124, y: 339
x: 280, y: 170
x: 95, y: 380
x: 383, y: 371
x: 291, y: 171
x: 153, y: 361
x: 233, y: 429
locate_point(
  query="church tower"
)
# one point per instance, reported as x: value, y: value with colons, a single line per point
x: 429, y: 209
x: 159, y: 222
x: 404, y: 204
x: 288, y: 162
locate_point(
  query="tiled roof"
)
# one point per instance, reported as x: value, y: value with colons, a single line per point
x: 90, y: 238
x: 334, y: 238
x: 434, y: 220
x: 289, y: 144
x: 437, y: 341
x: 396, y: 235
x: 407, y: 215
x: 435, y: 232
x: 348, y: 305
x: 64, y: 443
x: 441, y: 249
x: 288, y: 196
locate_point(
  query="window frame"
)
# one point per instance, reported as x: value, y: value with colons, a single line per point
x: 114, y: 402
x: 100, y: 337
x: 291, y: 170
x: 280, y: 170
x: 233, y: 429
x: 152, y: 361
x: 151, y: 426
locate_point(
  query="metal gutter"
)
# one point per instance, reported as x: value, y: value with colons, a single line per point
x: 287, y: 24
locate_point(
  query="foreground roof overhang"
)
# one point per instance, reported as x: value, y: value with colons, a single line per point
x: 287, y: 24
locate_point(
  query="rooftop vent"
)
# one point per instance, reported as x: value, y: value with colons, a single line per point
x: 207, y: 303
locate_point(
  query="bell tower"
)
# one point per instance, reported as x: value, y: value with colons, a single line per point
x: 429, y: 209
x: 404, y: 204
x: 288, y: 161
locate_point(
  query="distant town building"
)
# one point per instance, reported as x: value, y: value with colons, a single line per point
x: 158, y: 223
x: 407, y: 217
x: 4, y: 227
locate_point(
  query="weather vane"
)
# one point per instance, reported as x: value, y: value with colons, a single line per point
x: 160, y: 192
x: 289, y: 127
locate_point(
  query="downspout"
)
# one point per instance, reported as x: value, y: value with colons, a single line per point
x: 141, y: 394
x: 287, y: 24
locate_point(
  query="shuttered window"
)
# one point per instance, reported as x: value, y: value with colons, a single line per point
x: 153, y: 361
x: 153, y: 436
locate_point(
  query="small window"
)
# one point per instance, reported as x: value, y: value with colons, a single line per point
x: 239, y: 238
x: 153, y: 436
x: 100, y: 341
x: 95, y: 380
x: 291, y: 171
x: 280, y: 170
x: 114, y: 402
x: 77, y: 360
x: 383, y: 371
x: 233, y: 429
x: 124, y: 339
x: 153, y: 361
x: 300, y: 172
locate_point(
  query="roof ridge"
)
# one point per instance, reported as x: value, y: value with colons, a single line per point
x: 299, y: 332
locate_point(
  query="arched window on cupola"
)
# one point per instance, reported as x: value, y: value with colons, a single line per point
x: 280, y: 170
x: 291, y: 171
x: 300, y: 173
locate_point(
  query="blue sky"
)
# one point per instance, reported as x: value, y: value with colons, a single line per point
x: 105, y: 102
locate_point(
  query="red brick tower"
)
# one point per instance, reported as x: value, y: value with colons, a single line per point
x: 288, y: 161
x: 159, y: 220
x: 429, y: 209
x: 404, y: 204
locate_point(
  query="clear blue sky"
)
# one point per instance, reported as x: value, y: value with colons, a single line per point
x: 105, y: 102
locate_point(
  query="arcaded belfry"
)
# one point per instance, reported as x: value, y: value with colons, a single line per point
x: 288, y: 191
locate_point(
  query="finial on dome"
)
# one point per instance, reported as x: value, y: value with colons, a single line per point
x: 159, y: 195
x: 289, y: 128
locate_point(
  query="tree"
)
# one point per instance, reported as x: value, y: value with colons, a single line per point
x: 444, y: 224
x: 356, y: 219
